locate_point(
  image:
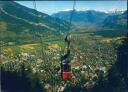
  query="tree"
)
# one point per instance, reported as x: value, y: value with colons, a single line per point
x: 122, y: 63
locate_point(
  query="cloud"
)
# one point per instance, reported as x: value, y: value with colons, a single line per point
x: 67, y: 9
x: 78, y: 9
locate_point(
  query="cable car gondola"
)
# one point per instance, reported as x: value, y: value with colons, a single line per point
x: 66, y: 73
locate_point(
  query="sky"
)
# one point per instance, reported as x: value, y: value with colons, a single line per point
x: 50, y: 7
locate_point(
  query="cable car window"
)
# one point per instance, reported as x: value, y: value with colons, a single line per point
x: 67, y: 68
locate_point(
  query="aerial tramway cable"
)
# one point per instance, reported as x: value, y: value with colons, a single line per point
x: 66, y: 73
x: 65, y: 59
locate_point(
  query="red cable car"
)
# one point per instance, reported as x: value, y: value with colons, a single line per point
x: 66, y: 72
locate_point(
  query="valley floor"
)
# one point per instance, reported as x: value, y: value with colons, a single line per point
x: 92, y: 58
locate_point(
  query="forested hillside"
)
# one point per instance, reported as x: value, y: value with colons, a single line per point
x: 20, y: 22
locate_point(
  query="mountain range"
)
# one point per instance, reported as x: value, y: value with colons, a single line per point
x: 118, y: 21
x: 82, y: 17
x: 90, y: 17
